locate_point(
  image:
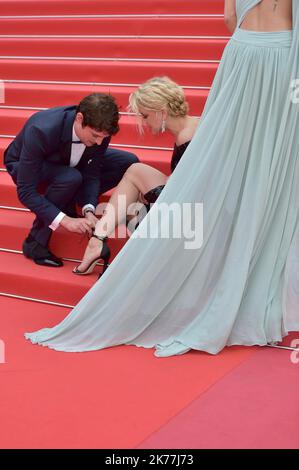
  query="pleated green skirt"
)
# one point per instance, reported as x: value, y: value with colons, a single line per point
x: 242, y: 164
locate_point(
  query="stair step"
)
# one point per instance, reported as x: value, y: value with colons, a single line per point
x: 8, y: 193
x: 15, y: 226
x: 126, y: 62
x: 47, y: 95
x: 94, y: 7
x: 12, y: 121
x: 116, y: 71
x: 21, y: 276
x: 160, y: 26
x: 4, y: 143
x: 159, y: 160
x: 182, y: 49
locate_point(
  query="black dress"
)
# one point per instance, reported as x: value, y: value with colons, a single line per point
x: 178, y: 151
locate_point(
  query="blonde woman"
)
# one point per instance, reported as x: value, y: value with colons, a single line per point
x: 162, y: 106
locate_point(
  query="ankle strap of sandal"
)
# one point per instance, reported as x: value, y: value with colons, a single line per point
x: 99, y: 237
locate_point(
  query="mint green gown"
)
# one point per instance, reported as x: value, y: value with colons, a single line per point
x: 241, y: 286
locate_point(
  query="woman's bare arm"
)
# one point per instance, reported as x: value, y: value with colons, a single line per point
x: 230, y: 15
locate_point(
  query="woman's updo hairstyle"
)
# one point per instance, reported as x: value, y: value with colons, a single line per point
x: 158, y: 94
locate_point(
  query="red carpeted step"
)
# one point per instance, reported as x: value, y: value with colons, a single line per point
x: 116, y: 71
x: 8, y: 194
x: 21, y: 276
x: 101, y: 399
x: 159, y: 159
x: 177, y: 49
x: 180, y: 26
x: 88, y: 7
x: 4, y: 142
x: 15, y: 226
x: 237, y: 412
x: 47, y: 95
x: 12, y: 121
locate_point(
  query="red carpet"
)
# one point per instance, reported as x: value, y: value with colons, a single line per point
x: 123, y: 48
x: 48, y: 95
x: 12, y: 120
x: 255, y: 406
x: 88, y: 7
x: 208, y: 26
x: 113, y: 398
x: 185, y: 73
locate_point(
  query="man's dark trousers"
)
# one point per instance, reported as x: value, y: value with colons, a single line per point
x: 62, y: 184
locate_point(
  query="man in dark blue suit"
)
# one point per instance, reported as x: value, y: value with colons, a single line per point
x: 65, y: 149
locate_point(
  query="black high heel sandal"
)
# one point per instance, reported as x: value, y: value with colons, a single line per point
x: 104, y: 255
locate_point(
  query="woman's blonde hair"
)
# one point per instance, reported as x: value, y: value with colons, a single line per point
x: 158, y: 94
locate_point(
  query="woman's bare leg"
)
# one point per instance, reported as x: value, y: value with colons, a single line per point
x: 139, y: 178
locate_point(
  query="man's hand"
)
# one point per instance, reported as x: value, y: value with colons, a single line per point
x: 76, y: 225
x: 91, y: 218
x: 142, y: 199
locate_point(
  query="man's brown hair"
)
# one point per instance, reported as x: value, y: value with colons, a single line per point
x: 100, y: 112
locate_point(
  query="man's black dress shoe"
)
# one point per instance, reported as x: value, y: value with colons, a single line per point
x: 40, y: 254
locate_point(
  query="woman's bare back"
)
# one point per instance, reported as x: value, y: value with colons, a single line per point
x: 267, y: 17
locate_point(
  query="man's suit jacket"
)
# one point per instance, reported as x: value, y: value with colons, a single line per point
x: 47, y: 136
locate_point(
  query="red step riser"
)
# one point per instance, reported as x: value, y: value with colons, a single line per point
x: 47, y: 96
x: 192, y: 49
x: 65, y: 245
x: 14, y: 227
x: 93, y: 7
x: 12, y: 121
x: 186, y: 74
x: 161, y: 165
x: 9, y: 198
x: 8, y: 193
x: 29, y: 284
x: 119, y: 26
x: 159, y: 159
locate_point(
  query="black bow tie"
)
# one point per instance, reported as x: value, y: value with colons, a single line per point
x: 76, y: 142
